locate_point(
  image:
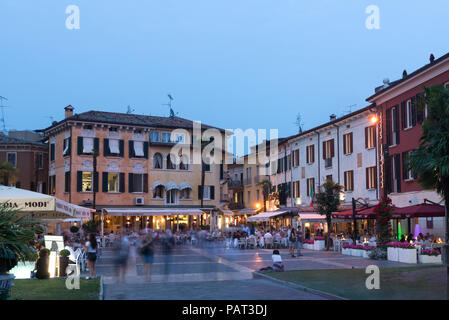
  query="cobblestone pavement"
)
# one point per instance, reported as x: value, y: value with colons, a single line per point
x: 218, y: 273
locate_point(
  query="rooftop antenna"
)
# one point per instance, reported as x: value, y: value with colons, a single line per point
x: 2, y: 119
x: 350, y: 108
x: 130, y: 110
x: 172, y: 112
x: 298, y: 122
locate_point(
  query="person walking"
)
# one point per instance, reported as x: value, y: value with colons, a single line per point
x: 146, y: 249
x: 91, y: 249
x: 299, y: 239
x: 292, y: 243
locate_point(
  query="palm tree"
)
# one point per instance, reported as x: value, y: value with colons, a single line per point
x: 431, y: 160
x: 328, y: 200
x: 266, y: 190
x: 6, y: 170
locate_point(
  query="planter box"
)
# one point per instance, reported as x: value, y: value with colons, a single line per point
x: 346, y: 251
x: 308, y: 246
x: 318, y: 245
x: 408, y: 255
x: 22, y: 270
x: 423, y: 258
x: 357, y: 252
x: 366, y: 253
x: 393, y: 254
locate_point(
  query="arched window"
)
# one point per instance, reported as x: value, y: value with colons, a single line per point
x: 184, y: 164
x: 170, y: 163
x: 157, y: 161
x: 158, y: 192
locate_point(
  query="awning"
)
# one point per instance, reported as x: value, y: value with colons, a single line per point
x: 226, y: 212
x: 266, y: 216
x: 246, y: 211
x: 41, y: 205
x: 125, y: 212
x: 312, y: 217
x: 185, y: 185
x: 422, y: 210
x: 157, y: 184
x: 170, y: 186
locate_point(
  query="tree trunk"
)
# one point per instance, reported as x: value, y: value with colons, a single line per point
x: 328, y: 221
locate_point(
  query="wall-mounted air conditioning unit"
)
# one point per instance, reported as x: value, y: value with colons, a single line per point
x: 139, y: 201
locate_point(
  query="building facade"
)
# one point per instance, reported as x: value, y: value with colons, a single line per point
x: 118, y: 163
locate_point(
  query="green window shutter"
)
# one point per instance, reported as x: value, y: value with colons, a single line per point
x: 131, y: 149
x: 122, y: 148
x: 97, y: 145
x: 96, y: 181
x: 80, y: 145
x: 200, y: 193
x: 67, y: 182
x: 212, y: 192
x: 79, y: 181
x: 105, y: 182
x: 130, y: 182
x: 52, y: 152
x: 69, y: 151
x: 403, y: 115
x: 106, y: 151
x: 122, y: 182
x: 413, y: 115
x: 145, y: 149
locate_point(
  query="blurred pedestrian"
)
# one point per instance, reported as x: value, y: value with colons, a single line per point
x: 91, y: 249
x: 146, y: 249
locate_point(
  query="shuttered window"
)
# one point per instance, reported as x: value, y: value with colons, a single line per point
x: 370, y: 137
x: 328, y: 149
x: 349, y: 180
x: 371, y: 178
x: 347, y: 143
x: 310, y: 153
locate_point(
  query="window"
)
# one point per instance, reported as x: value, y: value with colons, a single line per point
x: 186, y: 193
x: 88, y: 145
x: 328, y: 149
x: 296, y: 158
x: 52, y: 151
x: 209, y: 192
x: 166, y: 137
x: 115, y: 129
x: 158, y: 192
x: 249, y: 197
x: 157, y: 161
x: 67, y: 182
x: 11, y: 157
x: 408, y: 113
x: 310, y: 186
x: 137, y: 183
x: 349, y: 180
x: 257, y: 195
x: 114, y: 147
x: 310, y: 152
x: 348, y: 147
x: 113, y: 182
x: 40, y: 160
x: 170, y: 164
x: 371, y: 178
x: 446, y: 85
x: 184, y: 163
x: 155, y: 136
x: 87, y: 183
x: 66, y: 150
x: 394, y: 124
x: 179, y: 137
x: 370, y: 137
x: 407, y: 173
x: 138, y: 149
x: 172, y: 196
x: 52, y: 183
x: 296, y: 190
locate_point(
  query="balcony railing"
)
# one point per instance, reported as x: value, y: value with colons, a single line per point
x: 234, y: 184
x: 236, y: 205
x: 247, y: 181
x: 328, y: 163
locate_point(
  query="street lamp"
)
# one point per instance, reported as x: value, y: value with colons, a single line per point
x: 354, y: 212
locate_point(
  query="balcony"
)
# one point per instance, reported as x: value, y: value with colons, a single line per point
x: 236, y: 205
x: 225, y: 198
x: 235, y: 184
x: 247, y: 181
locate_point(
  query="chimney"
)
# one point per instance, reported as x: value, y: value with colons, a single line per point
x: 68, y: 111
x: 432, y: 58
x: 332, y: 117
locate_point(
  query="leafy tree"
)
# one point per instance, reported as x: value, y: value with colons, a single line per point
x: 266, y: 190
x: 431, y: 160
x: 327, y: 201
x: 91, y: 226
x: 7, y: 172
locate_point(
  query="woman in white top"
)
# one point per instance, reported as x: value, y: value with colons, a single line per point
x: 91, y: 249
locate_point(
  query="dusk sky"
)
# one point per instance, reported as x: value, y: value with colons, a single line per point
x: 232, y: 64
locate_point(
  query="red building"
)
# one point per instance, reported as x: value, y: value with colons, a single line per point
x: 400, y: 132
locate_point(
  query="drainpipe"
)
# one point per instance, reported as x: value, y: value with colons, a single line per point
x: 338, y: 152
x: 318, y: 156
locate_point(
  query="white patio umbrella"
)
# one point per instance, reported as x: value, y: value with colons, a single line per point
x: 40, y: 205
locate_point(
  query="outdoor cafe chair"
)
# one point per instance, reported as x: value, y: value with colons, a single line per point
x: 277, y: 243
x: 269, y: 243
x: 242, y: 243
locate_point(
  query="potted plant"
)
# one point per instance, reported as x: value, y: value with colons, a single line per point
x: 392, y: 251
x: 63, y: 262
x: 407, y: 253
x: 318, y: 243
x: 347, y: 249
x: 16, y: 235
x: 356, y: 250
x: 74, y: 229
x: 308, y: 244
x: 90, y: 226
x: 429, y: 256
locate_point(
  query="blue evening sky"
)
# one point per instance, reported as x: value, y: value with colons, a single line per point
x: 232, y: 64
